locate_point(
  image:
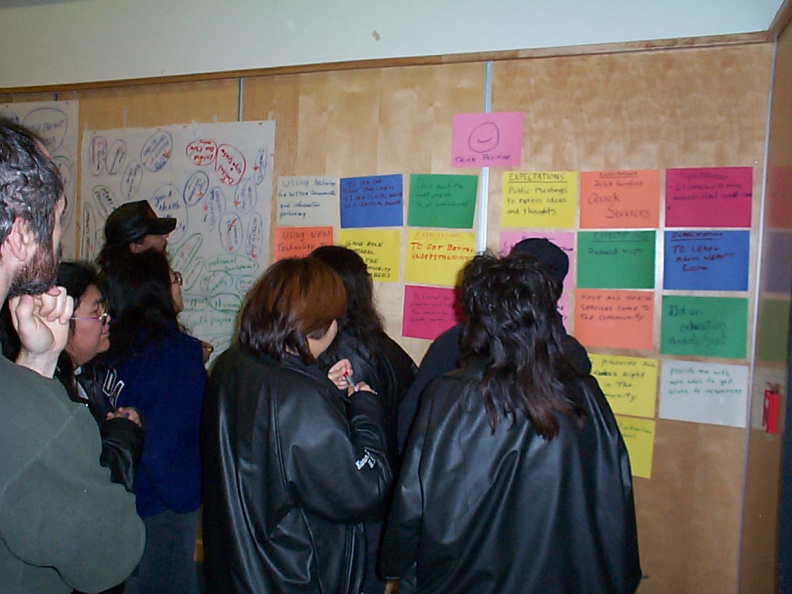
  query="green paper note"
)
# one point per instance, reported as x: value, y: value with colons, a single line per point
x: 447, y: 201
x: 616, y: 260
x: 704, y: 326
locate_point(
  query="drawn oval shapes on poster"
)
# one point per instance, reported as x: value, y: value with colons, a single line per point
x: 227, y: 302
x: 230, y: 165
x: 214, y: 206
x: 67, y: 175
x: 167, y: 202
x: 260, y: 166
x: 183, y: 255
x: 216, y: 282
x: 245, y: 196
x: 89, y: 233
x: 191, y: 273
x: 104, y: 199
x: 202, y: 152
x: 157, y: 150
x: 255, y: 237
x: 97, y: 154
x: 131, y: 179
x: 50, y: 123
x: 116, y: 155
x: 195, y: 188
x: 244, y: 283
x: 230, y: 229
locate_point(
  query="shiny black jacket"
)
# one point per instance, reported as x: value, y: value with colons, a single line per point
x: 122, y: 439
x: 511, y: 512
x: 390, y: 371
x: 291, y: 470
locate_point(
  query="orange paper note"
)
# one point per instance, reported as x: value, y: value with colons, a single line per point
x: 296, y: 242
x: 619, y: 199
x: 614, y: 319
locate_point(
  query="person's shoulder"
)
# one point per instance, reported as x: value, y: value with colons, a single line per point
x: 451, y: 386
x: 25, y: 385
x: 35, y: 410
x: 577, y: 354
x: 449, y: 338
x: 393, y: 349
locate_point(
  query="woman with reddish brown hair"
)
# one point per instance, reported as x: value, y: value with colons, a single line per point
x: 292, y: 469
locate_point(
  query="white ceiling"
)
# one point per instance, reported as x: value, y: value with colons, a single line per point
x: 51, y: 42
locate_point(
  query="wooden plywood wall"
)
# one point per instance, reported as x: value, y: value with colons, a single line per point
x: 644, y: 110
x: 695, y: 108
x: 367, y: 122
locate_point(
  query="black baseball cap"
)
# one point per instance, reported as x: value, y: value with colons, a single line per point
x: 546, y: 252
x: 133, y: 221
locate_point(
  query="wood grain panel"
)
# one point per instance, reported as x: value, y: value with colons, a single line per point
x: 154, y: 105
x: 658, y: 110
x: 368, y: 122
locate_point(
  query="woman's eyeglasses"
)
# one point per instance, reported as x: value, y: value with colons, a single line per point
x: 177, y: 278
x: 102, y: 318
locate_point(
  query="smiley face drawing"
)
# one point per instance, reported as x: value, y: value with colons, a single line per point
x: 484, y: 137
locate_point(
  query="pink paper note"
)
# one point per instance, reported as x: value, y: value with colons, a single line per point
x: 428, y: 311
x: 487, y: 139
x: 709, y: 197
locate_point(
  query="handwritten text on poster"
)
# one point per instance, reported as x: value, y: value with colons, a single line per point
x: 629, y: 383
x: 704, y: 393
x: 437, y: 257
x: 539, y: 199
x: 619, y: 199
x: 614, y: 319
x: 380, y: 250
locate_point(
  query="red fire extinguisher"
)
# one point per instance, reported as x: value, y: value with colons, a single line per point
x: 772, y: 406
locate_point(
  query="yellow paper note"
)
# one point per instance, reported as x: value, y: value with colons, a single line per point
x: 638, y: 436
x: 380, y: 250
x: 539, y: 199
x: 629, y: 383
x: 437, y: 257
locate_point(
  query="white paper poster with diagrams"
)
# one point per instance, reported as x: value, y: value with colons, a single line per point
x: 216, y: 181
x: 57, y: 124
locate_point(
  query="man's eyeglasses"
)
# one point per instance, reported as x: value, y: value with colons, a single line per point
x: 177, y: 278
x: 102, y: 318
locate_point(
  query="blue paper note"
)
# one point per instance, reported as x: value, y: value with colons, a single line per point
x: 706, y: 260
x: 373, y: 201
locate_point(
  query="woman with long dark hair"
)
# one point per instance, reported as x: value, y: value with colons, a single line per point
x: 163, y: 376
x: 292, y: 467
x: 515, y: 477
x: 375, y: 358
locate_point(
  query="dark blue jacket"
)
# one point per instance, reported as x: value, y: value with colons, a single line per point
x: 166, y: 383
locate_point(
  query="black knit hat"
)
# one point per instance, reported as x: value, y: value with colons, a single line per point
x: 547, y: 252
x: 133, y: 221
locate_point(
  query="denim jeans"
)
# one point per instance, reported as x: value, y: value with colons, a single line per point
x: 168, y: 563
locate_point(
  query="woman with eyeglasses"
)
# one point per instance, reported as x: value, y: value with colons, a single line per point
x: 163, y: 376
x: 95, y: 385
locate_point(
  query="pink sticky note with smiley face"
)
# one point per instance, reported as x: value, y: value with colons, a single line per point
x: 487, y: 139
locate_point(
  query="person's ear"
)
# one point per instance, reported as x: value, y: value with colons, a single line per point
x: 20, y: 240
x: 135, y: 247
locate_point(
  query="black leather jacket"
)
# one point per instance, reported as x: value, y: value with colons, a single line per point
x: 510, y: 512
x: 290, y: 472
x: 122, y: 439
x: 390, y: 371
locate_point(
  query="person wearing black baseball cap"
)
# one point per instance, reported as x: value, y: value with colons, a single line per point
x: 134, y: 227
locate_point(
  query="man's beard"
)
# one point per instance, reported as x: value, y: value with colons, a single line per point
x: 38, y: 275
